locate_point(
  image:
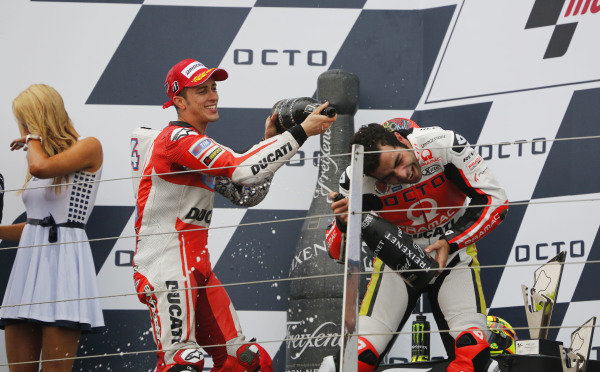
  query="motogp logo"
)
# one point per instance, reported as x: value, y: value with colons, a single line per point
x: 548, y: 13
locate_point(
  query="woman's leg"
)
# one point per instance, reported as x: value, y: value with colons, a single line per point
x: 58, y: 343
x: 23, y: 344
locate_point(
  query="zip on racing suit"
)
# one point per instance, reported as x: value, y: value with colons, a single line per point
x: 454, y: 176
x: 171, y: 251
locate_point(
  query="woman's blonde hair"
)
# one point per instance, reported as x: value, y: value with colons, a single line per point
x: 40, y: 110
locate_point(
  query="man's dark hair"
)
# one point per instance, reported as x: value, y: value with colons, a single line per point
x: 371, y: 137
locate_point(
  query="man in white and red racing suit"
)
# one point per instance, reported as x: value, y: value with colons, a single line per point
x: 428, y: 190
x: 174, y: 210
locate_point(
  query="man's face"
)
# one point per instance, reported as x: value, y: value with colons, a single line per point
x: 397, y: 166
x: 201, y: 102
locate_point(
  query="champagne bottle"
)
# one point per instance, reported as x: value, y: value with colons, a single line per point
x: 293, y: 111
x: 394, y: 247
x: 398, y: 251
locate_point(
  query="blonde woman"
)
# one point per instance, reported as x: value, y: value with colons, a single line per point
x: 53, y: 262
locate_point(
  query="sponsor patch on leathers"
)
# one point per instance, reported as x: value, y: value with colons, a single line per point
x: 212, y: 155
x: 199, y: 146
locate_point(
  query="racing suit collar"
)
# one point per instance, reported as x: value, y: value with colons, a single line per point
x: 180, y: 124
x: 405, y: 132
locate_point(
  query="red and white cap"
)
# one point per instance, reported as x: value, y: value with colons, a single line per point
x: 189, y: 73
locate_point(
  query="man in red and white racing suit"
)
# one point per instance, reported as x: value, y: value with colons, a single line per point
x: 432, y: 185
x: 174, y: 211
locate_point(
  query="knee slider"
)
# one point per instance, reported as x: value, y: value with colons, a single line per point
x: 254, y: 357
x: 368, y: 357
x: 249, y: 356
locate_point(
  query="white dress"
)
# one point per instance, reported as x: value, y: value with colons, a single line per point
x: 60, y: 271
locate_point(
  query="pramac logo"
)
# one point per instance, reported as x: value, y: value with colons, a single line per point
x: 425, y: 207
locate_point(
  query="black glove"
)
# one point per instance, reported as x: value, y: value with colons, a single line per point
x: 370, y: 202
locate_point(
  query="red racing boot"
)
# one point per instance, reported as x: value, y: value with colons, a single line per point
x: 472, y: 353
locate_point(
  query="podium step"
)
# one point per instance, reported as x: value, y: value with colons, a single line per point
x: 508, y: 363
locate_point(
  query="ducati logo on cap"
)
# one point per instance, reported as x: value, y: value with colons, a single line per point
x: 175, y: 87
